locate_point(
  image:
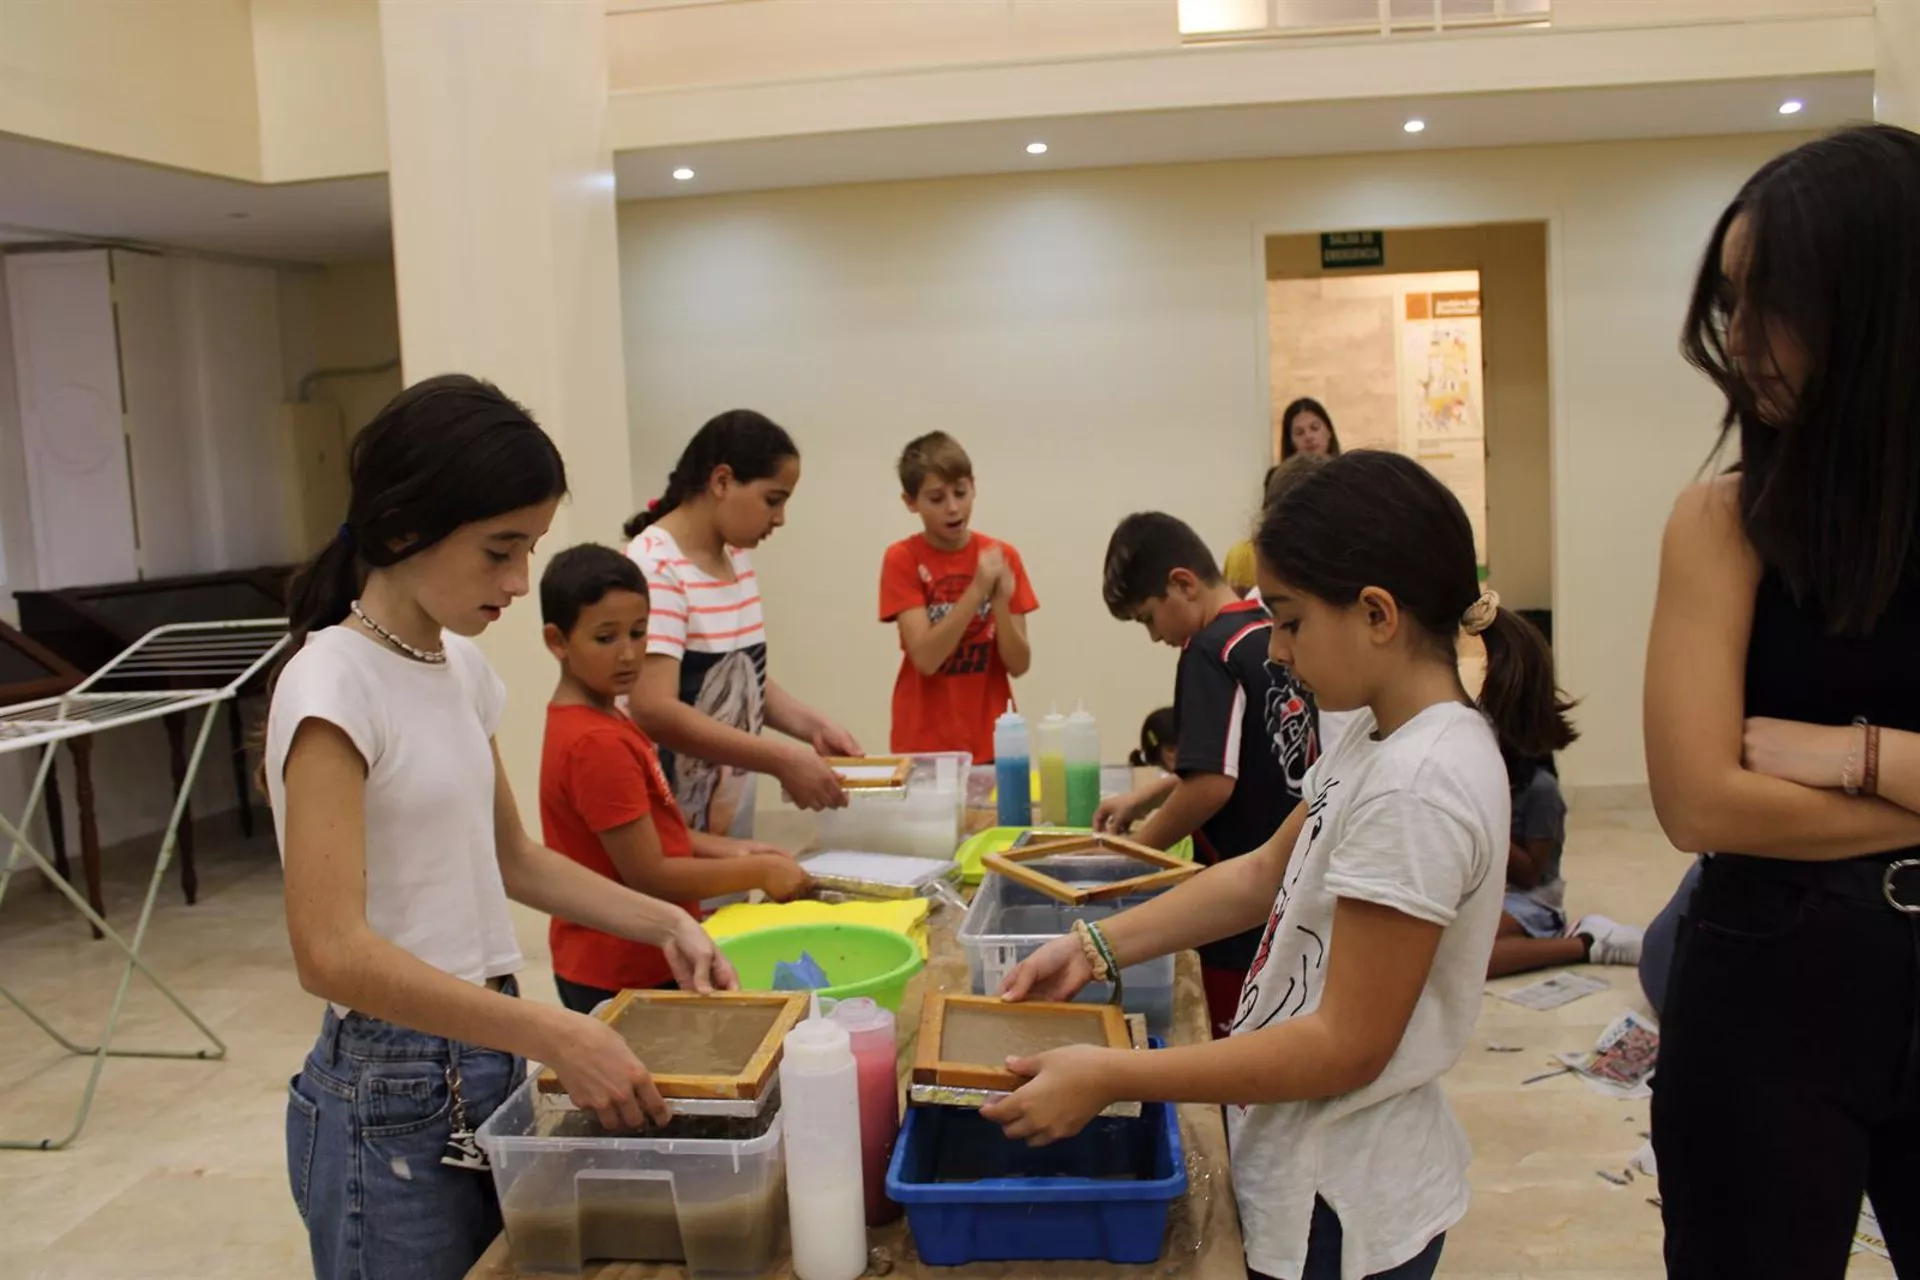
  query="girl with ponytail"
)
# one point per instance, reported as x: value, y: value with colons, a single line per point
x: 704, y: 693
x: 1379, y: 896
x: 402, y: 844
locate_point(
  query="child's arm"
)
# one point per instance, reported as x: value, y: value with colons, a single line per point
x: 656, y: 707
x: 1013, y: 600
x: 340, y: 958
x: 707, y: 845
x: 1117, y: 813
x: 1695, y: 709
x: 1375, y: 975
x: 798, y: 720
x: 929, y: 644
x: 1223, y: 900
x: 1193, y: 799
x: 645, y: 867
x: 1524, y: 862
x: 547, y: 881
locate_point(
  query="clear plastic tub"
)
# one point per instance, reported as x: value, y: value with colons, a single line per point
x: 572, y: 1194
x: 1009, y: 922
x: 923, y: 818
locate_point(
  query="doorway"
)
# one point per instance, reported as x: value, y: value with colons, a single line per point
x: 1437, y: 350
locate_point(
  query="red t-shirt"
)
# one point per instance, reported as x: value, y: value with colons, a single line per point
x: 598, y: 772
x: 954, y: 709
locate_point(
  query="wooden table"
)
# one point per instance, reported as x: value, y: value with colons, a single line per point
x: 1203, y: 1236
x: 30, y: 671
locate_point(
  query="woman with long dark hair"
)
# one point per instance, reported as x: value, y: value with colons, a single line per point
x: 1783, y: 730
x: 402, y: 844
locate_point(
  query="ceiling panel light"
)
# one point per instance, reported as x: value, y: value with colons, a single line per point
x: 1036, y: 148
x: 683, y: 174
x: 1415, y: 126
x: 1792, y: 107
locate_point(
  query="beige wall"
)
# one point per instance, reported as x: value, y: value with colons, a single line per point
x: 1896, y: 79
x: 1094, y: 339
x: 341, y: 317
x: 170, y: 83
x: 1512, y: 261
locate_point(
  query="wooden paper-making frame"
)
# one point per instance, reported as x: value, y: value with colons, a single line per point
x: 902, y: 767
x: 1166, y: 870
x: 752, y: 1080
x: 930, y: 1068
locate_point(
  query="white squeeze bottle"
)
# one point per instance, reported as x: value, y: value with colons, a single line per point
x: 820, y: 1106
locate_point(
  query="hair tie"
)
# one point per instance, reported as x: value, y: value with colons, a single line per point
x: 654, y: 505
x: 345, y: 536
x: 1481, y: 613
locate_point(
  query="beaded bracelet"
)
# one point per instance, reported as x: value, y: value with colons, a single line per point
x: 1096, y: 950
x: 1851, y: 780
x: 1870, y: 777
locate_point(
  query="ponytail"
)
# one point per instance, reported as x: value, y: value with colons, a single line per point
x: 1528, y: 710
x: 1161, y: 728
x: 748, y: 444
x: 322, y: 592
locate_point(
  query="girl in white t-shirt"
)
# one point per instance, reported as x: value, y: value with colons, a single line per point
x: 1380, y: 895
x: 704, y: 693
x: 402, y: 844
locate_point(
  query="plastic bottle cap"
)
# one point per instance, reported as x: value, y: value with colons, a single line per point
x: 862, y: 1013
x: 817, y: 1044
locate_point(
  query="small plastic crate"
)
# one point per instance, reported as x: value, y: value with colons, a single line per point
x: 974, y: 1195
x: 572, y: 1194
x: 922, y: 818
x: 1009, y: 922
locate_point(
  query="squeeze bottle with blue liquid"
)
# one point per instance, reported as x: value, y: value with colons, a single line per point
x: 1013, y: 769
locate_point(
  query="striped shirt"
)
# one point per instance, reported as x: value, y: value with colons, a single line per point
x: 713, y: 628
x: 693, y: 610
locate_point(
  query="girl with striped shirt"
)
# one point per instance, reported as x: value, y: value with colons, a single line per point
x: 704, y: 693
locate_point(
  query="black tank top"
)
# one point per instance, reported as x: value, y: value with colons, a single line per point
x: 1797, y: 670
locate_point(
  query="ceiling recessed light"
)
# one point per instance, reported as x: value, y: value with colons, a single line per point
x: 683, y: 174
x: 1792, y: 107
x: 1415, y: 126
x: 237, y: 215
x: 1036, y: 148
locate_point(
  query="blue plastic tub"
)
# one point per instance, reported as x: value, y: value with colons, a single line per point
x: 1039, y: 1204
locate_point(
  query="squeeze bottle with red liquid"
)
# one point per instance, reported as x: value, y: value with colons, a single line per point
x: 875, y: 1055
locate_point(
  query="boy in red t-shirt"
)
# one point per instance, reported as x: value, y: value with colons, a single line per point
x: 961, y: 600
x: 604, y: 800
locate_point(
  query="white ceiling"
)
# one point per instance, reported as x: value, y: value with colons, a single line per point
x: 1230, y: 133
x: 49, y: 192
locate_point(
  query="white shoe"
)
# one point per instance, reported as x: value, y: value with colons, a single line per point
x: 1613, y: 942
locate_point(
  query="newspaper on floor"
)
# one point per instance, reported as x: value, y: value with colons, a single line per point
x: 1621, y: 1062
x: 1867, y: 1237
x: 1550, y: 993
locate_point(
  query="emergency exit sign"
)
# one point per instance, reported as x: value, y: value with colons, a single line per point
x: 1343, y: 249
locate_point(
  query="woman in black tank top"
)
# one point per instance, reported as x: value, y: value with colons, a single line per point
x: 1783, y: 731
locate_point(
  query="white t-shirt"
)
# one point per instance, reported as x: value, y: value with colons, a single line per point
x: 424, y: 730
x: 1418, y: 823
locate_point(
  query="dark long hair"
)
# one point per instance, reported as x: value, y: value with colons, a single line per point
x: 445, y: 452
x: 1829, y: 492
x: 749, y: 444
x: 1162, y: 726
x: 1306, y: 404
x: 1375, y: 519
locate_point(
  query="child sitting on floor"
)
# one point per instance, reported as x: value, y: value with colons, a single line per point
x: 1533, y: 923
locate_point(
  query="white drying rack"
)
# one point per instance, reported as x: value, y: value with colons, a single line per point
x: 169, y: 671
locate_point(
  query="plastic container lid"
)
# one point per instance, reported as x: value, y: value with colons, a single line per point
x: 818, y: 1045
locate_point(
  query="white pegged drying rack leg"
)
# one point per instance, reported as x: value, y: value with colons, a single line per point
x: 16, y: 835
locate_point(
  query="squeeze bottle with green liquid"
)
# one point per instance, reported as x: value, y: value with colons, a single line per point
x: 1083, y: 768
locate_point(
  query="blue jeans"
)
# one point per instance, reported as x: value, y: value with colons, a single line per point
x: 1323, y: 1252
x: 368, y: 1119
